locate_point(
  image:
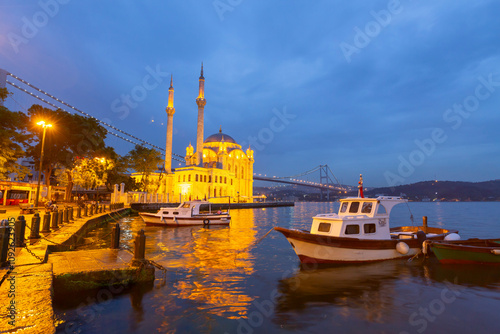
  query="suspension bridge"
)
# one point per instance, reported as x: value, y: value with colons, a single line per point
x: 327, y: 180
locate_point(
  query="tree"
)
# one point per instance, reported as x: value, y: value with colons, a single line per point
x: 119, y: 173
x: 144, y: 161
x: 13, y: 139
x: 71, y: 136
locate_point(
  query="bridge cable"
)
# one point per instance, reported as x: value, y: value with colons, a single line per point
x: 80, y: 111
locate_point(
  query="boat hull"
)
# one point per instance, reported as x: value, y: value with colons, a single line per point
x: 468, y: 252
x: 322, y: 249
x: 206, y: 220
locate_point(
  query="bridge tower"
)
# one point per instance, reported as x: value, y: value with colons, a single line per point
x: 324, y: 179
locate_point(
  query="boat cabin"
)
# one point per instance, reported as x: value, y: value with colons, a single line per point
x: 185, y: 209
x: 362, y: 218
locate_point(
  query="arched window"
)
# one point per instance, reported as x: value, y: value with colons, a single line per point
x: 178, y: 178
x: 242, y: 172
x: 215, y: 192
x: 209, y: 178
x: 189, y: 178
x: 204, y: 178
x: 184, y: 178
x: 235, y: 172
x: 225, y: 179
x: 196, y: 178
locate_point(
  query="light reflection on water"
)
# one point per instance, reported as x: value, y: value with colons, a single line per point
x: 220, y: 281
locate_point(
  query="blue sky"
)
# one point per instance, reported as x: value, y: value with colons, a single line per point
x: 400, y: 91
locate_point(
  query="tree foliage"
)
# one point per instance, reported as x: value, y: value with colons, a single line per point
x: 14, y: 138
x: 71, y: 136
x: 145, y: 161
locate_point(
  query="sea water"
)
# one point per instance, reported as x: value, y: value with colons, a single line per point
x: 230, y: 280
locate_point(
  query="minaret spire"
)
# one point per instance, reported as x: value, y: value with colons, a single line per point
x: 201, y: 102
x: 170, y: 126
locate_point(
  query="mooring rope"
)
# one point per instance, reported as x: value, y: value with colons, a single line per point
x: 253, y: 244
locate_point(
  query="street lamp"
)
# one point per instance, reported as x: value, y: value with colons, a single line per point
x: 45, y: 126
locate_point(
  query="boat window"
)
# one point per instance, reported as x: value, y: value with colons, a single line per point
x: 344, y: 207
x: 366, y: 208
x: 352, y: 229
x: 186, y: 205
x: 381, y: 210
x: 369, y: 228
x: 324, y: 227
x: 354, y: 207
x: 175, y: 213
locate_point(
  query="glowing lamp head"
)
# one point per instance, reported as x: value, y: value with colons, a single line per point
x: 43, y: 124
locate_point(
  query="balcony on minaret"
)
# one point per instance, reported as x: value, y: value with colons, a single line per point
x: 250, y: 153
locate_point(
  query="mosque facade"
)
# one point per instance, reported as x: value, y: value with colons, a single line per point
x: 218, y: 169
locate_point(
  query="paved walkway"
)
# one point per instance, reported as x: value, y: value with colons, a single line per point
x: 32, y: 288
x: 31, y: 293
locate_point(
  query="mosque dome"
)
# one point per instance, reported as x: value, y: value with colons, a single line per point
x: 218, y: 137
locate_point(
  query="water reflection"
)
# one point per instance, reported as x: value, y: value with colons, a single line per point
x: 376, y: 293
x: 473, y: 275
x: 215, y: 262
x: 364, y: 291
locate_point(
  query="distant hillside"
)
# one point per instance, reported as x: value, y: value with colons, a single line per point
x: 444, y: 190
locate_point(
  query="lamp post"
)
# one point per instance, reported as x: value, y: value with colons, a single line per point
x: 45, y: 126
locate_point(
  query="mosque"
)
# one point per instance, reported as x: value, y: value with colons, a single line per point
x: 219, y: 169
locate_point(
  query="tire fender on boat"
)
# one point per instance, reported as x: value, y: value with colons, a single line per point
x: 206, y: 222
x: 402, y: 248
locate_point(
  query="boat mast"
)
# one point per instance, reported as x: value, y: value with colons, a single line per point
x: 360, y: 187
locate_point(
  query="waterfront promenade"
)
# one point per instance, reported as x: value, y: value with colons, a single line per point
x: 46, y: 264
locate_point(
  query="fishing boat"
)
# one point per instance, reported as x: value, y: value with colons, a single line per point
x: 360, y: 232
x: 187, y: 214
x: 471, y: 251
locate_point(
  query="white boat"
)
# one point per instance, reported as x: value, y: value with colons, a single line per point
x: 360, y: 232
x: 186, y: 214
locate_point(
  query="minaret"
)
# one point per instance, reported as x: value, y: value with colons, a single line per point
x: 200, y: 101
x: 170, y: 127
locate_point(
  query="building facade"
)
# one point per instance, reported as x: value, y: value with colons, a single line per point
x: 219, y: 170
